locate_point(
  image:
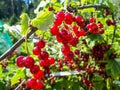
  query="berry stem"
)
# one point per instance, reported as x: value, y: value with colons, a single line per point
x: 20, y: 84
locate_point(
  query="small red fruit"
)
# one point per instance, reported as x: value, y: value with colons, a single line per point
x: 31, y: 83
x: 39, y: 74
x: 28, y: 61
x: 39, y: 86
x: 50, y: 8
x: 68, y: 18
x: 34, y: 69
x: 19, y: 61
x: 101, y: 31
x: 43, y: 55
x: 92, y: 19
x: 40, y: 43
x: 77, y: 52
x: 100, y: 25
x: 36, y: 50
x: 51, y: 60
x: 54, y: 30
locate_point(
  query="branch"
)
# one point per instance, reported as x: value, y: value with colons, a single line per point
x: 93, y: 6
x: 17, y: 44
x: 115, y: 28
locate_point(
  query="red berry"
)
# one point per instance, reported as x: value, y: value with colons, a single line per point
x: 92, y: 19
x: 45, y: 63
x: 54, y: 30
x: 114, y: 23
x: 109, y: 22
x: 68, y: 18
x: 74, y: 41
x: 19, y: 61
x: 43, y: 55
x: 78, y: 19
x: 77, y: 52
x: 28, y: 61
x: 36, y: 50
x: 57, y: 22
x: 69, y: 56
x: 39, y: 86
x: 101, y: 31
x: 75, y: 28
x: 31, y: 83
x: 60, y: 15
x: 34, y: 69
x: 100, y: 25
x: 40, y: 43
x: 107, y: 13
x: 39, y: 74
x: 82, y: 32
x: 65, y: 49
x: 50, y: 8
x: 51, y: 60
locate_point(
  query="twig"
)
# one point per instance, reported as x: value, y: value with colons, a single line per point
x: 17, y: 44
x: 20, y: 85
x: 93, y: 6
x: 115, y: 28
x: 65, y: 73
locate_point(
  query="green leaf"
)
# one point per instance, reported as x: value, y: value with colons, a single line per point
x: 19, y: 74
x: 114, y: 67
x: 97, y: 77
x: 99, y: 84
x: 24, y: 23
x: 2, y: 86
x: 57, y: 6
x: 83, y: 2
x: 43, y: 20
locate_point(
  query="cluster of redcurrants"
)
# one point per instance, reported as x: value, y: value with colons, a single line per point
x: 28, y: 62
x: 99, y: 50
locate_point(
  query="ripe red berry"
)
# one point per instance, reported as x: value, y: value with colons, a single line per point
x: 69, y: 56
x: 77, y: 52
x: 43, y: 55
x: 65, y: 49
x: 74, y: 41
x: 114, y: 23
x: 57, y: 22
x: 34, y: 69
x: 68, y: 18
x: 31, y: 83
x: 19, y: 61
x: 100, y: 25
x: 75, y: 28
x: 92, y: 19
x: 107, y: 13
x: 28, y: 61
x: 39, y: 86
x: 60, y: 15
x: 78, y: 19
x: 51, y: 60
x: 40, y: 43
x: 45, y: 63
x: 36, y: 50
x: 50, y: 8
x: 39, y: 74
x: 82, y: 32
x: 101, y: 31
x: 108, y: 22
x: 54, y: 30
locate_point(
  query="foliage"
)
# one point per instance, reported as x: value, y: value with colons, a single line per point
x: 96, y: 71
